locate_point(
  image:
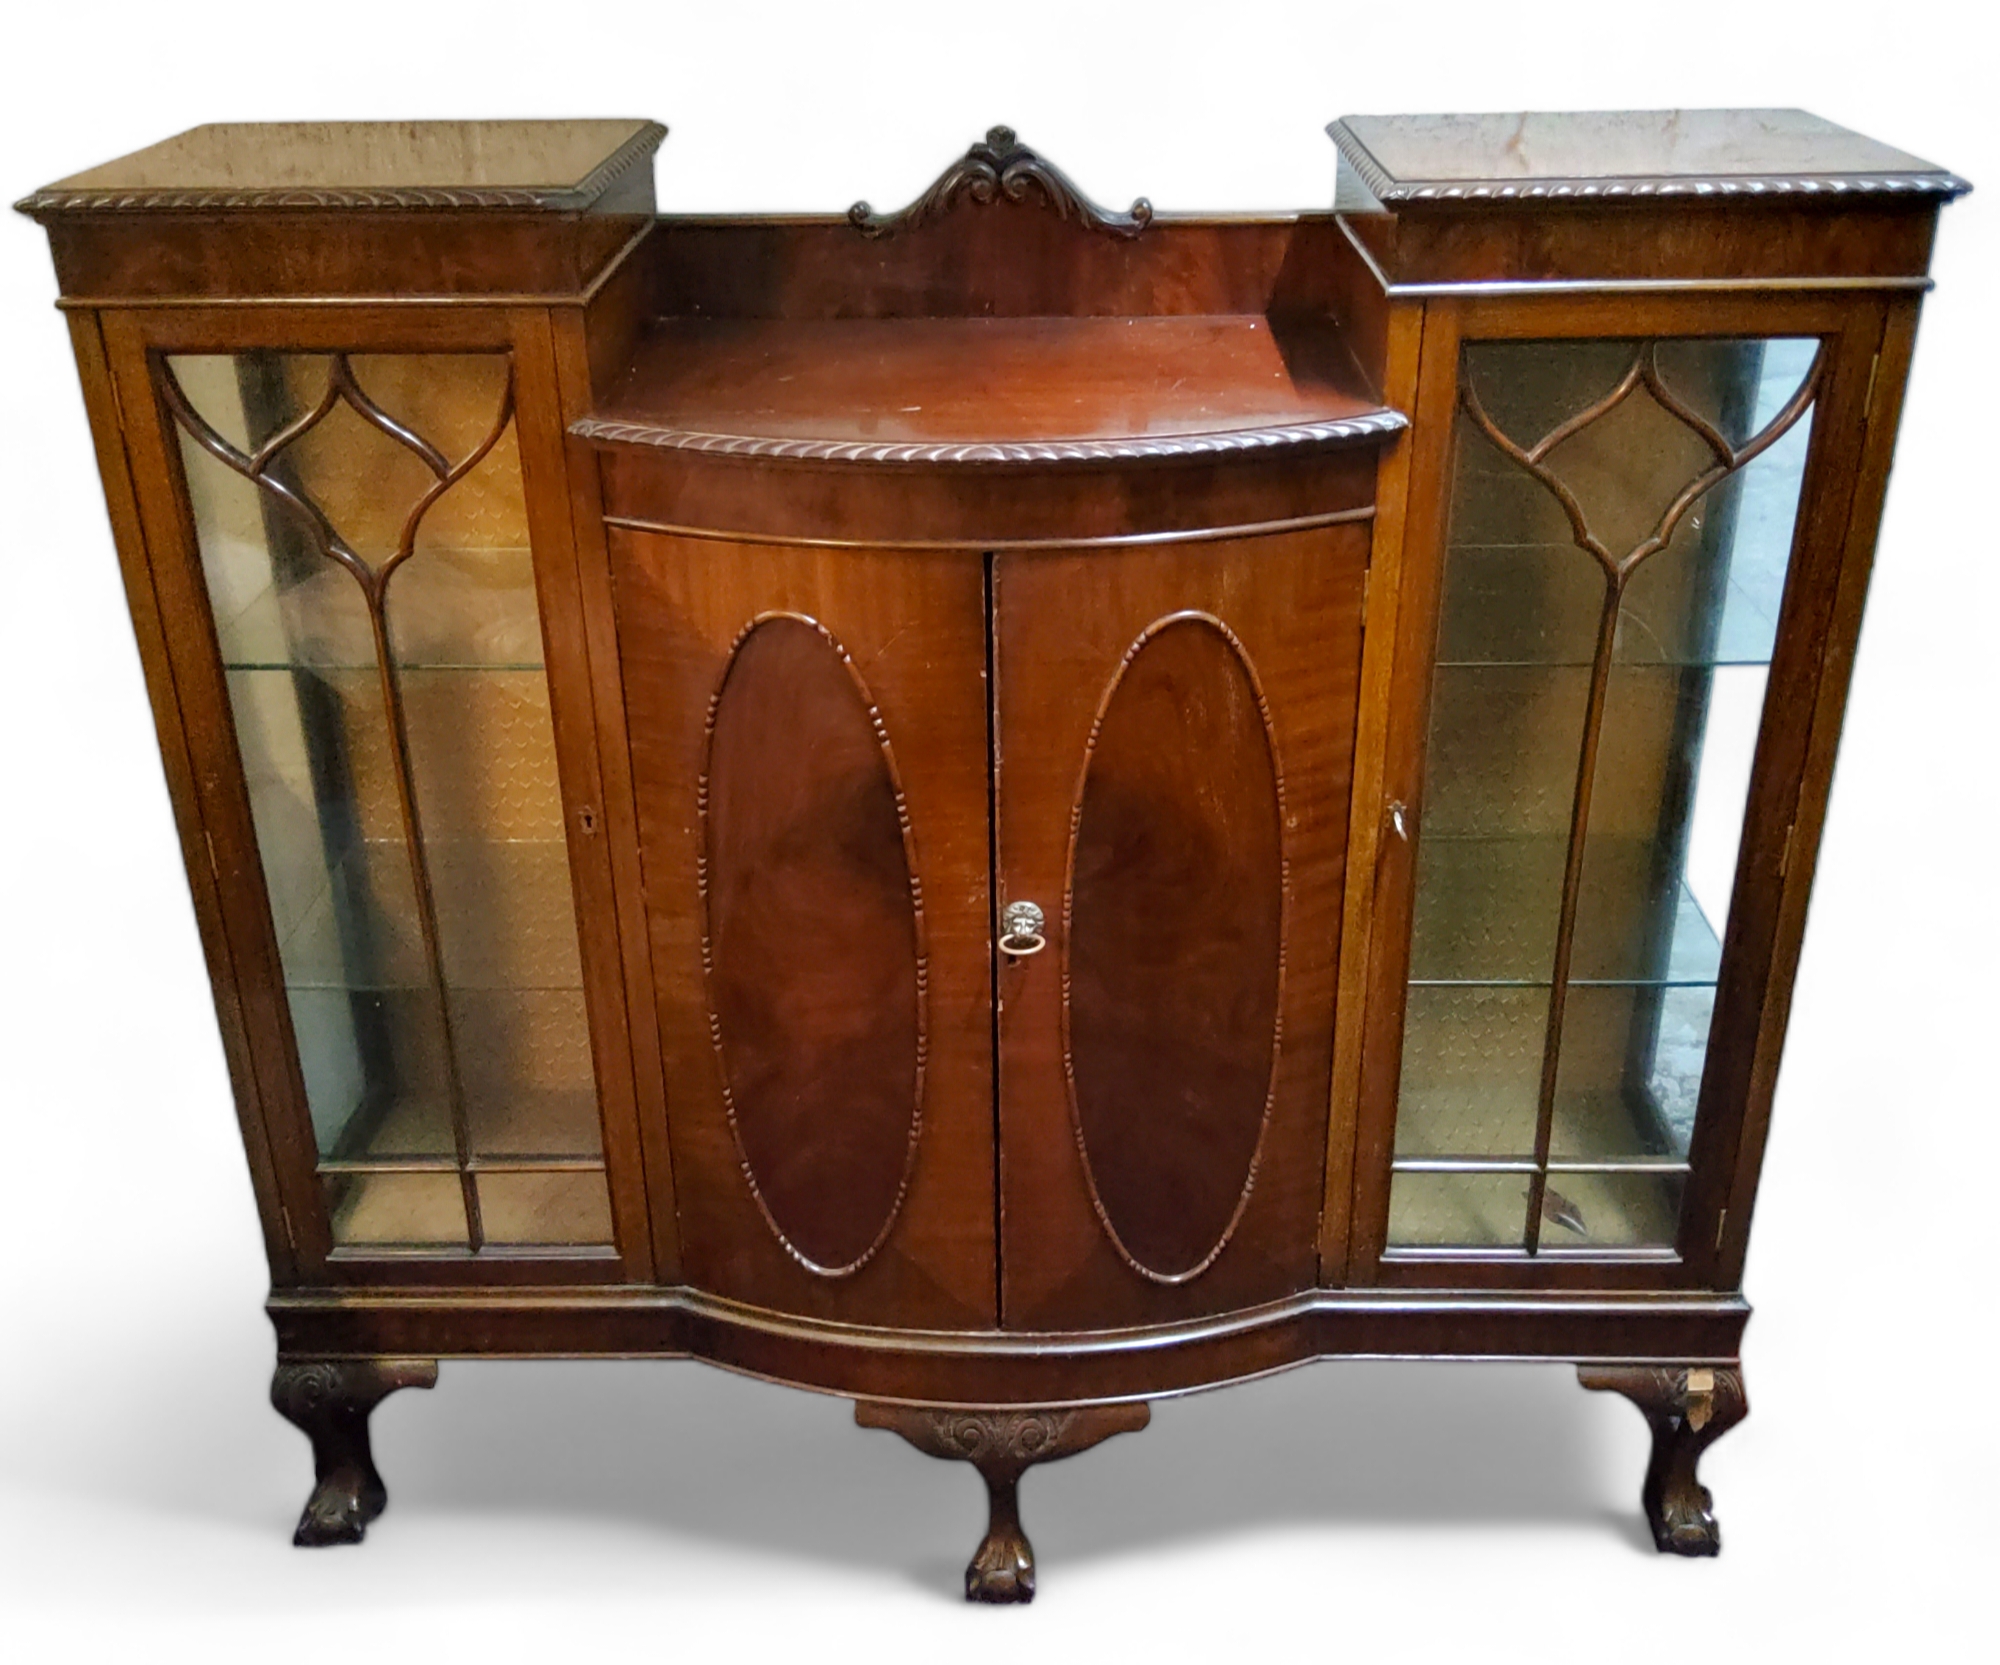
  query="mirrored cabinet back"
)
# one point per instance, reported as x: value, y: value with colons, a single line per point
x: 1009, y: 807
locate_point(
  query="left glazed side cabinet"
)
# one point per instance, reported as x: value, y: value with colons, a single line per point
x: 396, y: 800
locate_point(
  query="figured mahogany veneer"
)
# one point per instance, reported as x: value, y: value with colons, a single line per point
x: 1175, y: 915
x: 813, y: 941
x: 1163, y: 1068
x: 989, y: 653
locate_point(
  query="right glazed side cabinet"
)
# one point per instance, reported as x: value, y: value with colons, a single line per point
x: 1626, y: 600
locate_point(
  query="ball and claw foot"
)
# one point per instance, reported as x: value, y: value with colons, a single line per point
x: 1687, y: 1411
x: 1003, y: 1445
x: 1002, y: 1569
x: 329, y: 1402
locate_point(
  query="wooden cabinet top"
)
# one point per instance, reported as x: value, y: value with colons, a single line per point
x: 991, y: 390
x: 530, y: 210
x: 550, y: 165
x: 1467, y: 160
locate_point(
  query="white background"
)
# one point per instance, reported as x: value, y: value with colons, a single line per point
x: 147, y: 1491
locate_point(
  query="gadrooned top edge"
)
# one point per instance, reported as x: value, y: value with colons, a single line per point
x: 1287, y: 436
x: 1392, y: 192
x: 51, y: 200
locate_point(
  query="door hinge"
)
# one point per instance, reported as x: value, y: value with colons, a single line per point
x: 1868, y: 398
x: 1721, y: 1225
x: 1785, y: 855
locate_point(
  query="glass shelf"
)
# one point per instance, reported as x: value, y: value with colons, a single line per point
x: 1472, y: 1064
x: 1537, y: 605
x: 508, y: 1121
x: 1521, y: 605
x: 504, y: 911
x: 1489, y: 1211
x: 449, y: 609
x: 1486, y: 914
x: 559, y: 1208
x: 317, y: 749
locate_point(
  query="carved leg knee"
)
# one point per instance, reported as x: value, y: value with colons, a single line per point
x: 1002, y: 1444
x: 329, y: 1401
x: 1688, y: 1411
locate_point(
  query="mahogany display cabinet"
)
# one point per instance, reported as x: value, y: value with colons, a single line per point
x: 1007, y: 808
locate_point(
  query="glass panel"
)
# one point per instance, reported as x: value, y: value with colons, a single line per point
x: 1457, y: 1211
x: 1633, y: 625
x: 455, y: 609
x: 396, y: 1210
x: 351, y: 509
x: 1487, y: 908
x: 529, y: 1084
x: 1624, y: 1087
x: 1503, y: 750
x: 559, y: 1209
x: 1472, y: 1064
x: 505, y: 918
x: 1611, y: 1211
x: 395, y: 1092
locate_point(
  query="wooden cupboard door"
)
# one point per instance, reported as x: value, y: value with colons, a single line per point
x: 1174, y: 733
x: 808, y: 733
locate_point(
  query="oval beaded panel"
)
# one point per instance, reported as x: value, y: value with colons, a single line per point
x: 814, y: 943
x: 1174, y: 946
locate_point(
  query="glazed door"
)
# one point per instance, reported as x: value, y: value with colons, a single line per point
x: 1173, y: 738
x: 809, y: 744
x: 1606, y: 670
x: 358, y: 539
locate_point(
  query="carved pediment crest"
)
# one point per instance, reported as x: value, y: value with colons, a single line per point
x: 1001, y: 166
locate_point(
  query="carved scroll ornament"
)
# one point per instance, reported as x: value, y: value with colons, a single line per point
x: 1001, y: 166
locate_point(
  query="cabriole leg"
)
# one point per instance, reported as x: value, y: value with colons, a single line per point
x: 1002, y: 1444
x: 1688, y: 1411
x: 329, y: 1400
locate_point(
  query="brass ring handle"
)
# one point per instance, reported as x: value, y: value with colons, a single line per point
x: 1021, y: 928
